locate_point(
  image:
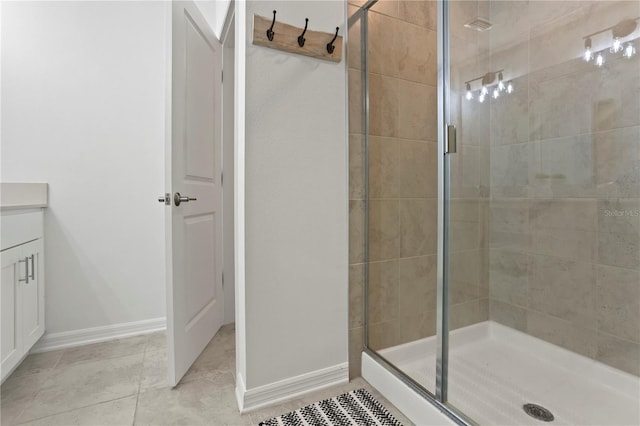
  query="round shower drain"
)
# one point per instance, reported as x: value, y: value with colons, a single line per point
x: 538, y: 412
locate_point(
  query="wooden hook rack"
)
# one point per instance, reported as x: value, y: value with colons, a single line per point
x: 285, y: 37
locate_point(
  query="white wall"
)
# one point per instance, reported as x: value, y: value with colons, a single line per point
x: 214, y: 12
x: 83, y: 108
x: 295, y: 289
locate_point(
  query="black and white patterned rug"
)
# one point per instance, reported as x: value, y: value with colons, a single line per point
x: 357, y: 407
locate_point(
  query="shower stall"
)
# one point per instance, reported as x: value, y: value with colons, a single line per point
x: 495, y: 208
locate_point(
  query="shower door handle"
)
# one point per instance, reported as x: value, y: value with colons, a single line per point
x: 451, y: 146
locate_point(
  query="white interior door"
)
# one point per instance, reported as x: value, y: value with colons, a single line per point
x: 195, y: 302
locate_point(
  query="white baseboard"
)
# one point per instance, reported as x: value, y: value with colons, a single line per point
x: 287, y: 389
x: 69, y: 339
x: 241, y: 389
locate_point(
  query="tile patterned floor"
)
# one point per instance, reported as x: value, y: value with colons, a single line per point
x: 123, y: 382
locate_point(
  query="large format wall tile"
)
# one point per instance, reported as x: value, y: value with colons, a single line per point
x: 417, y: 56
x: 418, y: 227
x: 619, y: 233
x: 558, y: 106
x: 383, y: 167
x: 509, y: 115
x: 472, y: 129
x: 403, y: 50
x: 563, y: 288
x: 411, y: 327
x: 423, y: 13
x: 384, y: 230
x: 417, y: 285
x: 567, y: 161
x: 383, y: 335
x: 555, y: 214
x: 619, y: 353
x: 383, y: 105
x: 383, y: 291
x: 617, y: 162
x: 417, y: 111
x: 566, y: 243
x: 510, y: 273
x: 468, y: 313
x: 509, y: 315
x: 383, y: 44
x: 464, y: 281
x: 618, y: 302
x: 417, y: 169
x: 562, y: 333
x: 510, y: 170
x: 464, y: 235
x: 616, y: 101
x: 470, y: 173
x: 386, y: 7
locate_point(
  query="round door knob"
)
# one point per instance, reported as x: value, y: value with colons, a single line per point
x: 177, y: 199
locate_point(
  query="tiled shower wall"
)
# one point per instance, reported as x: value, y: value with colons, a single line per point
x: 402, y: 176
x: 403, y: 187
x: 565, y: 181
x: 545, y: 220
x: 469, y: 174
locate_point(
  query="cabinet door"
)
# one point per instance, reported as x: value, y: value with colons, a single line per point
x: 13, y: 269
x: 33, y: 294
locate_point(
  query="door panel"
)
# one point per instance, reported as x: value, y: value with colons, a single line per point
x: 199, y: 238
x: 200, y: 108
x: 195, y: 302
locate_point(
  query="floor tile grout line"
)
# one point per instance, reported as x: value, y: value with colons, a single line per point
x: 58, y: 368
x: 74, y: 409
x: 46, y: 375
x: 59, y: 358
x: 144, y: 357
x: 107, y: 358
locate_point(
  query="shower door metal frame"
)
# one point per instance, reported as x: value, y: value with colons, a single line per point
x: 442, y: 304
x: 439, y: 400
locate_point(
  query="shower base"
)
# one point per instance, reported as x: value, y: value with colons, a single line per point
x: 494, y: 370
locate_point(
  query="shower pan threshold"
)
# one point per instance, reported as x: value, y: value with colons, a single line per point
x: 494, y: 370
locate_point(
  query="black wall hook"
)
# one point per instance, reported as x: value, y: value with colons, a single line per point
x: 301, y: 38
x: 330, y: 46
x: 270, y: 32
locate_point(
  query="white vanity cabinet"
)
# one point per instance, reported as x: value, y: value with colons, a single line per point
x: 21, y: 285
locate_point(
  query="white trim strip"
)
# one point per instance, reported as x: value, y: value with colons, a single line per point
x: 291, y: 388
x: 69, y: 339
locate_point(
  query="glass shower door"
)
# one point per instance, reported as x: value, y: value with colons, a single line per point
x: 542, y: 212
x: 394, y: 150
